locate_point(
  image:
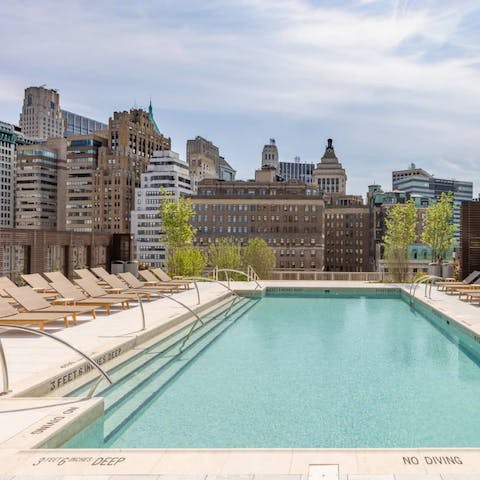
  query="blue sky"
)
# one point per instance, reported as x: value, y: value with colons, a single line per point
x: 392, y: 82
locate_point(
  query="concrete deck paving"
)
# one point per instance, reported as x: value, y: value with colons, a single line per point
x: 34, y: 359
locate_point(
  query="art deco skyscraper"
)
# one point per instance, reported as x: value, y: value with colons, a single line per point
x: 41, y: 117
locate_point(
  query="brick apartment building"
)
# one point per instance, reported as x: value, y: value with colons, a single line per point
x: 287, y: 215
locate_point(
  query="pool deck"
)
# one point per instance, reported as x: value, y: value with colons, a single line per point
x: 40, y: 366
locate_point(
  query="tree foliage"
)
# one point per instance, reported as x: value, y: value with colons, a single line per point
x: 260, y: 257
x: 439, y: 231
x: 175, y: 217
x: 182, y: 258
x: 401, y: 226
x: 225, y: 253
x: 186, y: 261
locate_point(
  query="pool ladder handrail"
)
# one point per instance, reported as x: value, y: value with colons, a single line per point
x: 211, y: 280
x: 90, y: 360
x: 250, y: 277
x: 427, y: 278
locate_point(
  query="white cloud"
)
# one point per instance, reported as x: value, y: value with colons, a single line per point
x: 338, y: 66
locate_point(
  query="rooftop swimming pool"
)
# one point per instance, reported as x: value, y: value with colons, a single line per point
x: 300, y: 369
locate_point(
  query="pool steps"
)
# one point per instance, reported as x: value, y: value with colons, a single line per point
x: 166, y: 349
x: 148, y: 377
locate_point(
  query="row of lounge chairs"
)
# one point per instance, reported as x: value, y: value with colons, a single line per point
x: 54, y: 297
x: 468, y: 289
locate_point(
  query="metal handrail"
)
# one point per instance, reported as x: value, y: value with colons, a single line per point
x: 252, y: 273
x: 414, y: 285
x: 228, y: 270
x: 189, y: 334
x: 204, y: 279
x: 140, y: 303
x: 48, y: 335
x: 183, y: 305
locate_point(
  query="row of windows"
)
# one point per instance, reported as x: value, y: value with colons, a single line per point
x: 253, y: 208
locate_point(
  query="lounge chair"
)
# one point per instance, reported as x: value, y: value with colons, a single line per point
x: 75, y: 295
x: 469, y: 279
x: 455, y: 289
x: 88, y: 275
x: 97, y: 291
x: 5, y: 282
x: 9, y: 315
x: 117, y: 286
x: 165, y: 278
x: 32, y: 302
x: 133, y: 282
x: 100, y: 272
x: 56, y: 277
x: 37, y: 282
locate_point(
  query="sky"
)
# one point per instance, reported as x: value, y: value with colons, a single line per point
x: 393, y: 82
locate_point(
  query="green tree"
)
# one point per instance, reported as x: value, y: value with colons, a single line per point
x: 439, y: 231
x: 260, y: 257
x: 401, y: 224
x: 186, y: 261
x: 175, y: 216
x: 225, y: 253
x: 182, y: 258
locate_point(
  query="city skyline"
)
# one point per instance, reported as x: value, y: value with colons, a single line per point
x: 391, y: 82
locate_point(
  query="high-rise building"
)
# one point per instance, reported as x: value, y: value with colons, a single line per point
x: 270, y: 154
x: 40, y: 185
x: 296, y: 170
x: 132, y: 139
x: 225, y: 170
x: 329, y: 174
x: 287, y: 215
x: 168, y: 172
x: 347, y: 234
x: 75, y: 124
x: 41, y: 117
x: 417, y: 181
x: 10, y: 138
x: 82, y: 163
x: 411, y: 171
x: 204, y: 161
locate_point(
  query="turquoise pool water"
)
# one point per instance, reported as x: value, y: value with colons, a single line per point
x: 303, y: 370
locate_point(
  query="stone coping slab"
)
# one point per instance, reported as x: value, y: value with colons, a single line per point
x: 412, y: 463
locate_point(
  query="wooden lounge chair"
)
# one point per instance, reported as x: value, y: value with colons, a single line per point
x: 165, y: 278
x: 5, y: 282
x: 134, y: 282
x: 97, y: 291
x: 88, y: 275
x: 471, y: 297
x: 56, y: 277
x: 75, y: 295
x: 100, y: 272
x: 37, y: 282
x: 455, y: 289
x: 9, y: 315
x: 468, y: 280
x: 32, y: 302
x: 117, y: 286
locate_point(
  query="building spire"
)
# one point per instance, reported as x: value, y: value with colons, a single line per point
x: 151, y: 117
